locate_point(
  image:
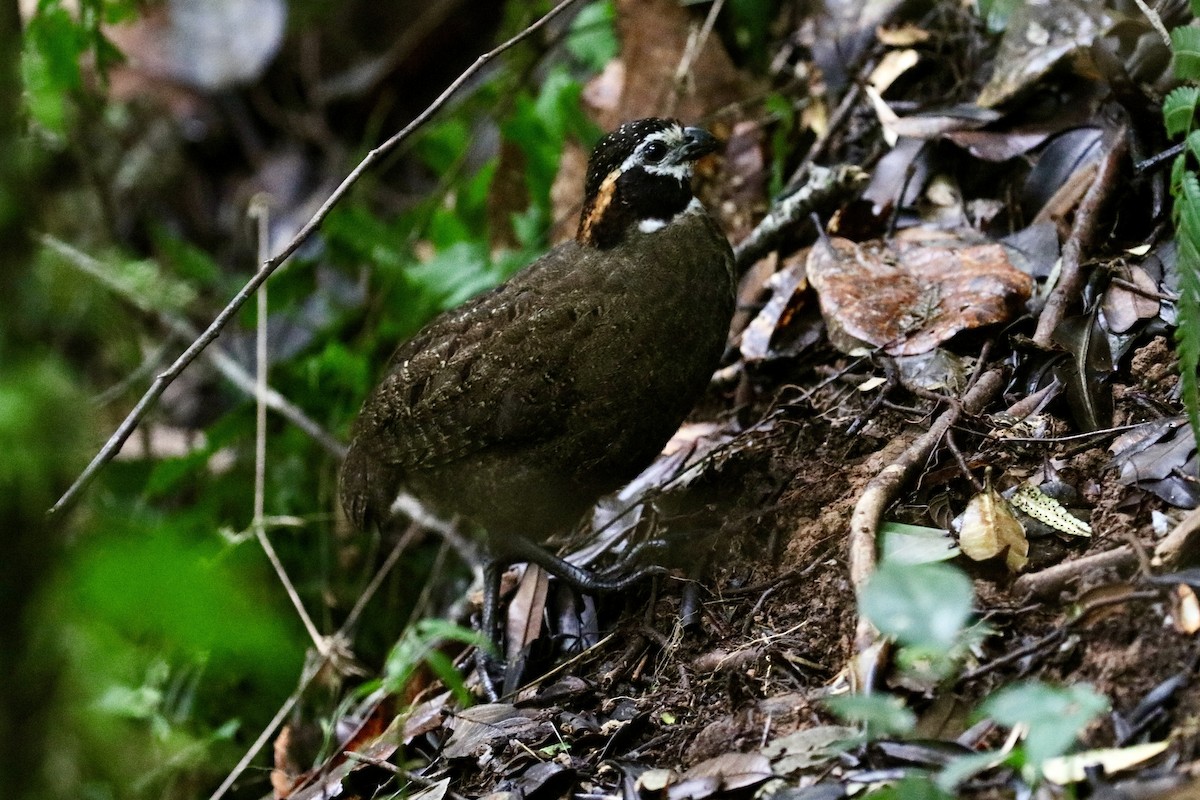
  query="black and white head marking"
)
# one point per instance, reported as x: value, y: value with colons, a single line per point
x: 640, y: 175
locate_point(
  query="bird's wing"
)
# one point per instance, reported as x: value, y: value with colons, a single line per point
x: 494, y: 372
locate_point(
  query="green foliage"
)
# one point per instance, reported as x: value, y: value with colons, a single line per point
x: 1179, y: 117
x: 1179, y: 109
x: 593, y: 40
x: 910, y: 787
x: 882, y: 714
x: 781, y: 110
x: 920, y: 605
x: 419, y: 645
x: 39, y: 425
x: 55, y: 43
x: 1185, y: 44
x: 1054, y: 716
x: 925, y: 607
x: 915, y: 544
x: 750, y: 21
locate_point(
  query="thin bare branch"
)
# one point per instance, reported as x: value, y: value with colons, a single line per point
x: 1082, y: 231
x: 164, y: 379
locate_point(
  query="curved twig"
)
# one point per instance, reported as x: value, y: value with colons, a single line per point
x: 883, y: 488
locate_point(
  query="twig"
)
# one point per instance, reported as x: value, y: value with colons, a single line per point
x: 1082, y: 231
x: 412, y: 777
x: 882, y: 489
x: 1051, y: 579
x: 1155, y: 21
x: 216, y: 356
x: 156, y: 389
x: 695, y: 44
x: 259, y: 211
x: 164, y: 379
x: 825, y: 186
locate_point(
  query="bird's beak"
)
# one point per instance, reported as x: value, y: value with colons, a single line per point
x: 697, y: 142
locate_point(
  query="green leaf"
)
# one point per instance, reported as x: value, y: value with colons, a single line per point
x: 915, y: 544
x: 1055, y: 716
x: 922, y: 605
x: 910, y: 787
x: 1179, y: 109
x: 966, y: 767
x: 1187, y: 333
x: 1185, y: 43
x: 883, y: 714
x: 419, y: 645
x: 443, y: 144
x: 593, y: 36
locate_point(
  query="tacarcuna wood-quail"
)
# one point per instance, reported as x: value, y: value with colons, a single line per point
x: 520, y: 408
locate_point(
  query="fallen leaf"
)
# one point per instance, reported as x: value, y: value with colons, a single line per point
x: 1073, y: 768
x: 909, y: 295
x: 733, y: 770
x: 988, y: 528
x: 1031, y: 500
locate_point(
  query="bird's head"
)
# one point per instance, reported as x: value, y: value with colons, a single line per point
x: 640, y: 176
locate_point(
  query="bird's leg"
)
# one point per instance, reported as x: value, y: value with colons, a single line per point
x: 633, y: 556
x: 484, y: 659
x: 583, y: 580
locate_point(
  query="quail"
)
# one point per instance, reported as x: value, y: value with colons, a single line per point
x: 519, y: 409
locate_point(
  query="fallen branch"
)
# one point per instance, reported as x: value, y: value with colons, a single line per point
x: 882, y: 490
x: 1070, y: 281
x: 1052, y: 579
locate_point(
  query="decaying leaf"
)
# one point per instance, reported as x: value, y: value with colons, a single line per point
x: 1031, y: 500
x: 1160, y: 457
x: 524, y: 620
x: 780, y: 328
x: 1123, y: 308
x: 1038, y: 36
x: 733, y: 770
x: 807, y: 748
x: 988, y: 528
x: 909, y: 295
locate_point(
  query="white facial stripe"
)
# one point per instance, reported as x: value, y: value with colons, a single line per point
x: 652, y: 225
x: 672, y: 137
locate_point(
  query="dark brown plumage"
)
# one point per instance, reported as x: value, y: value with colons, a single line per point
x: 523, y: 406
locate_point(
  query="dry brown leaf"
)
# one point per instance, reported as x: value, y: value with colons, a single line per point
x: 525, y: 610
x: 989, y: 529
x: 733, y: 770
x: 908, y: 296
x: 1123, y: 308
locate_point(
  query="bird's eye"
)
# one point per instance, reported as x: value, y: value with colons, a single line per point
x: 654, y: 152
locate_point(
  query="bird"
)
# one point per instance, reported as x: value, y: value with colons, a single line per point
x: 522, y: 407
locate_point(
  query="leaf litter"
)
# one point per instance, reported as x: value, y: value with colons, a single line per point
x: 725, y: 692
